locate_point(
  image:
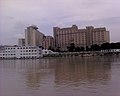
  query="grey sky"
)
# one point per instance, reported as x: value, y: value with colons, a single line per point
x: 16, y: 15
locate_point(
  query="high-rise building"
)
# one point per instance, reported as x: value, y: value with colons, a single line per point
x: 21, y: 42
x: 96, y: 35
x: 48, y: 42
x: 80, y: 37
x: 33, y: 37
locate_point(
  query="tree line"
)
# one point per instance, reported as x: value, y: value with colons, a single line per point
x: 94, y: 47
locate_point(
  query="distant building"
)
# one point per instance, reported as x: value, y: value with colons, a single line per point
x: 48, y: 42
x: 21, y: 42
x: 33, y: 37
x: 96, y: 35
x: 80, y: 37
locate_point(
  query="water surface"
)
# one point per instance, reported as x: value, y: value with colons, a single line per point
x: 61, y: 76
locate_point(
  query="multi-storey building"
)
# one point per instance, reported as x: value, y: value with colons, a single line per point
x: 48, y: 42
x: 100, y: 35
x: 21, y: 42
x: 80, y: 37
x: 96, y: 35
x: 33, y: 37
x: 9, y: 52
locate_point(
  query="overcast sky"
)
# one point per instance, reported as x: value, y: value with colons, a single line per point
x: 16, y: 15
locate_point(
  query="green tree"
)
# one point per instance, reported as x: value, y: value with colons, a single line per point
x: 105, y: 46
x: 95, y: 47
x: 71, y: 48
x: 58, y: 49
x: 77, y: 49
x: 87, y: 48
x: 82, y: 48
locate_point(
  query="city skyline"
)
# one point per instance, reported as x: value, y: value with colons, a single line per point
x: 16, y: 15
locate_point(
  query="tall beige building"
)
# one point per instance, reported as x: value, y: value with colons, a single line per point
x: 33, y: 37
x: 80, y: 37
x: 48, y: 42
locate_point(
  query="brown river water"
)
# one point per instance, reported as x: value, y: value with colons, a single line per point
x: 61, y: 76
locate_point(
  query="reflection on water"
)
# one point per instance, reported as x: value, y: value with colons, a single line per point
x: 82, y: 71
x: 65, y: 76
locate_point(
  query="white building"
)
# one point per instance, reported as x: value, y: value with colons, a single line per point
x: 114, y: 50
x: 47, y: 52
x: 20, y: 52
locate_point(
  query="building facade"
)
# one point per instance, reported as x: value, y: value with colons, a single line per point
x: 21, y: 42
x: 33, y: 37
x: 48, y: 42
x: 96, y: 35
x: 12, y: 52
x: 80, y: 37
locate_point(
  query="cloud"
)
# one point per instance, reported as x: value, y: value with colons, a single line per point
x: 16, y: 15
